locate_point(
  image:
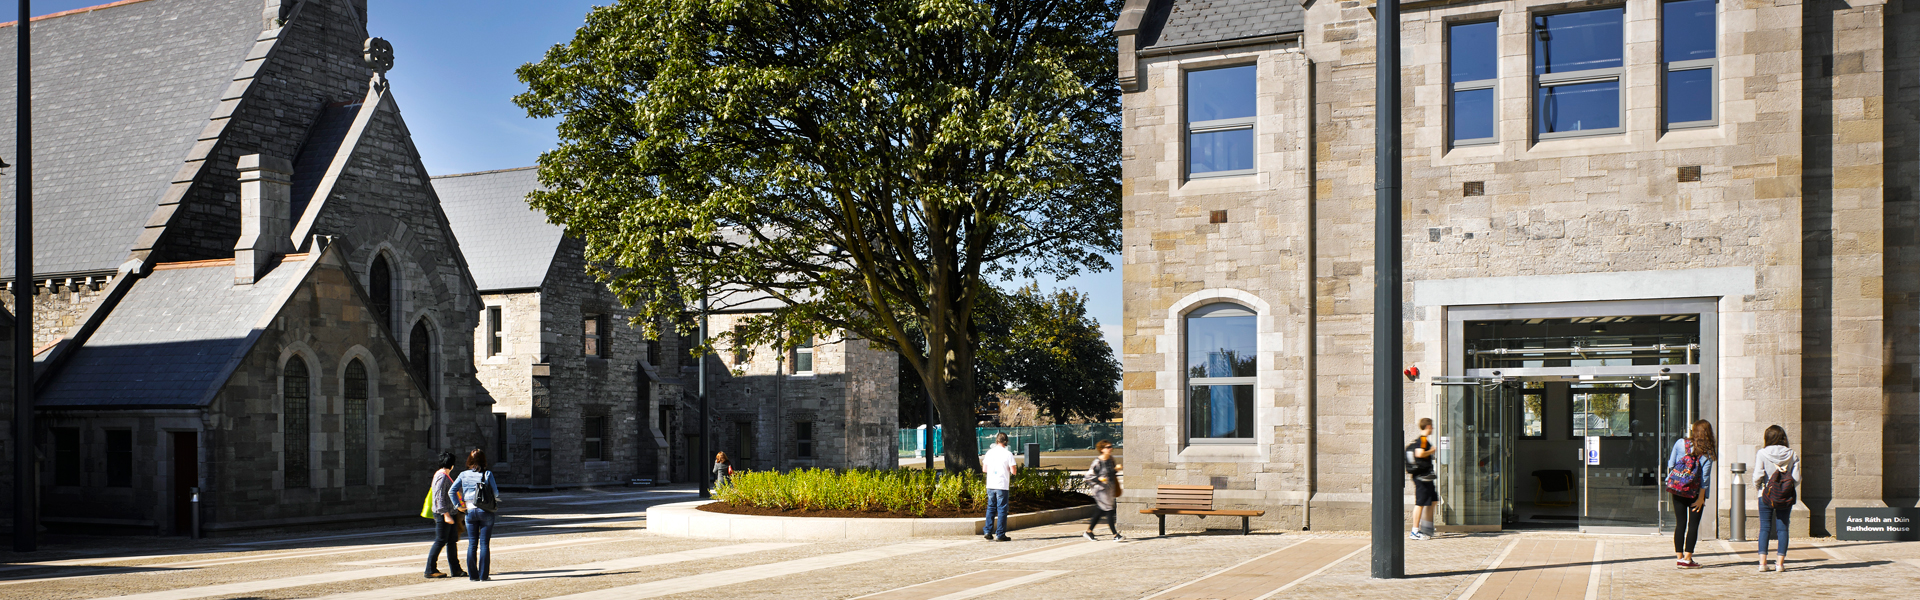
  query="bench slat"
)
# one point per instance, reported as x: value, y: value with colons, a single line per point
x: 1223, y: 513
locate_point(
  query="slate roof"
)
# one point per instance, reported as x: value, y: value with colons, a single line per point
x: 1182, y: 22
x: 508, y: 245
x: 317, y: 153
x: 173, y: 340
x: 119, y: 95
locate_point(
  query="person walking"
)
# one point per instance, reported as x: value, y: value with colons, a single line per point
x: 1689, y: 480
x: 1104, y: 478
x: 722, y: 469
x: 999, y: 466
x: 1779, y: 470
x: 446, y: 530
x: 476, y: 492
x: 1420, y: 469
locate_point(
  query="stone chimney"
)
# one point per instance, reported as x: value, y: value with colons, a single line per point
x: 266, y: 194
x: 275, y: 13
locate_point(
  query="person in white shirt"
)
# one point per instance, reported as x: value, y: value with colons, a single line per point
x: 999, y: 465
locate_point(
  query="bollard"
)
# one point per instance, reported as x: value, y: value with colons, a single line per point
x: 1033, y: 455
x: 1739, y: 502
x: 196, y: 513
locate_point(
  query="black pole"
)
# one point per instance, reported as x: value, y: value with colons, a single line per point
x: 26, y: 524
x: 701, y: 361
x: 1389, y: 550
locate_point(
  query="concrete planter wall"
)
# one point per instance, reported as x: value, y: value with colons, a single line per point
x: 684, y: 519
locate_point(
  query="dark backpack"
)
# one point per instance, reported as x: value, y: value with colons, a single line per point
x: 1779, y: 491
x: 483, y: 496
x: 1416, y: 466
x: 1684, y: 479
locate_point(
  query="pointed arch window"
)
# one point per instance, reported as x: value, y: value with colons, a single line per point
x: 420, y: 353
x: 380, y: 288
x: 295, y: 410
x: 1222, y: 346
x: 356, y: 422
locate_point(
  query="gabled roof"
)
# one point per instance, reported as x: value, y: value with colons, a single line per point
x: 119, y: 94
x: 1184, y: 22
x: 175, y: 338
x: 508, y: 244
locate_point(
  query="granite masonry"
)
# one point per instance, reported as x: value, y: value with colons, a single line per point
x: 1784, y: 224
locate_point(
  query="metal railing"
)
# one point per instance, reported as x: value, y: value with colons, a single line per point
x: 1052, y: 438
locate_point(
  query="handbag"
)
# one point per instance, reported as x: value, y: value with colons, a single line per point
x: 426, y: 506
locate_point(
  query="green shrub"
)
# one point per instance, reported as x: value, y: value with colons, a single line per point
x: 898, y: 490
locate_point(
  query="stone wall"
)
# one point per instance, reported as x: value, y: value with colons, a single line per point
x: 849, y: 399
x: 1792, y: 191
x: 59, y: 308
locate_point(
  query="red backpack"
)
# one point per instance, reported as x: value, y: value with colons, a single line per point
x: 1684, y: 479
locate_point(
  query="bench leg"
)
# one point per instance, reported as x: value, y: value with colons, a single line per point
x: 1163, y: 525
x: 1244, y: 528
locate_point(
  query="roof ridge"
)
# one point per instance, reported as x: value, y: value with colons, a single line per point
x: 485, y: 172
x: 86, y: 9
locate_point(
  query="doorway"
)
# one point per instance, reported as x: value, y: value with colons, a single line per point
x: 186, y: 479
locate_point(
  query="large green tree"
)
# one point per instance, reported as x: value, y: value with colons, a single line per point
x: 860, y: 167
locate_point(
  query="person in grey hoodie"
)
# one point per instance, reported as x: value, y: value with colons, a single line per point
x: 1774, y: 460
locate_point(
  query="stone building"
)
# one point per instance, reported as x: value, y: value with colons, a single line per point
x: 589, y: 400
x: 245, y: 282
x: 1621, y: 216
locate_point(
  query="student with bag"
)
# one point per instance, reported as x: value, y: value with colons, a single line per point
x: 1778, y: 470
x: 1419, y: 466
x: 1104, y: 478
x: 477, y: 493
x: 446, y: 529
x: 1689, y: 477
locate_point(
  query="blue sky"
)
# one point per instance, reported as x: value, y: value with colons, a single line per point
x: 453, y: 75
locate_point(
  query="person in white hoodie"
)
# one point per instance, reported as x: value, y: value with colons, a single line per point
x: 1775, y: 460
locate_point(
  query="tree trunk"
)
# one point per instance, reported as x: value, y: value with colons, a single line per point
x: 952, y: 394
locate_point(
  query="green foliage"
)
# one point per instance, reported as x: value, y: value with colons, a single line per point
x: 864, y: 166
x: 1042, y: 344
x: 895, y: 490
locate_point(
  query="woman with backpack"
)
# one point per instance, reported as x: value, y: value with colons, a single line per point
x: 1779, y: 471
x: 1689, y: 477
x: 477, y: 493
x: 446, y: 530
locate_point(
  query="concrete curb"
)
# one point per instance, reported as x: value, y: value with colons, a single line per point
x: 683, y: 519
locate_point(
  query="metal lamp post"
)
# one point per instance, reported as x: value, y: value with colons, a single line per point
x: 25, y: 510
x: 1389, y: 558
x: 700, y: 363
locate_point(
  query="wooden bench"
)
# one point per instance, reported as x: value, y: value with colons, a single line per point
x: 1193, y: 500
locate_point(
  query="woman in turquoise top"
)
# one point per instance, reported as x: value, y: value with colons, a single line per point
x: 1699, y: 447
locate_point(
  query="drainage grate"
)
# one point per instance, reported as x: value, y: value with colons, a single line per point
x: 1690, y: 174
x: 1474, y: 188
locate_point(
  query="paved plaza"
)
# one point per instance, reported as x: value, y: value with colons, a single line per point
x: 594, y: 544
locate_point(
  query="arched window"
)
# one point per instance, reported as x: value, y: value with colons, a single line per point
x: 356, y: 422
x: 1222, y: 347
x: 420, y: 353
x: 380, y: 289
x: 295, y: 408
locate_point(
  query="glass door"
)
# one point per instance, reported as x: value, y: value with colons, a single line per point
x: 1475, y: 460
x: 1676, y: 421
x: 1623, y: 426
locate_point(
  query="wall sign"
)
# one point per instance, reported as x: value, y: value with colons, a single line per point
x: 1878, y: 524
x: 1593, y: 451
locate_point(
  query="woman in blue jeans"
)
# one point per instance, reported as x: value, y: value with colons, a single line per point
x: 1774, y: 460
x: 479, y: 520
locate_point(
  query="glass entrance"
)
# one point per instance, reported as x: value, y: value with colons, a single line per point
x: 1475, y: 457
x: 1621, y: 426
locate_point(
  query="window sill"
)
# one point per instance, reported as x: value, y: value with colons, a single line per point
x: 1220, y: 174
x: 1248, y: 451
x: 806, y: 375
x: 1585, y: 133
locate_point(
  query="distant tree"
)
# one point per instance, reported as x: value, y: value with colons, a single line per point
x: 864, y: 166
x: 1043, y: 345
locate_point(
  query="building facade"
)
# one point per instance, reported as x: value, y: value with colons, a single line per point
x: 587, y: 399
x: 1620, y: 217
x: 246, y: 286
